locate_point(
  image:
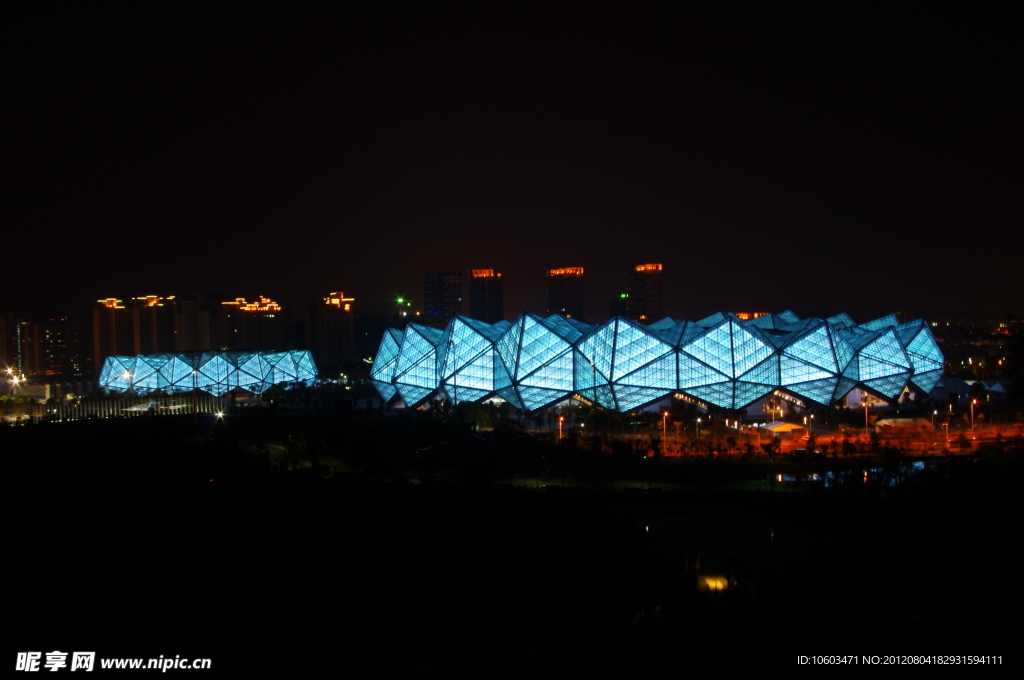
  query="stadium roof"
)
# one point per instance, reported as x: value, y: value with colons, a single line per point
x: 215, y: 372
x: 722, y: 360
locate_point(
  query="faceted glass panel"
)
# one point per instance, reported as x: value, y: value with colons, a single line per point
x: 469, y: 361
x: 213, y: 372
x: 927, y: 381
x: 889, y: 387
x: 881, y: 323
x: 416, y: 366
x: 533, y: 361
x: 819, y: 391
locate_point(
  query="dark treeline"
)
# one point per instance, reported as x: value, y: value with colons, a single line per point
x: 364, y: 558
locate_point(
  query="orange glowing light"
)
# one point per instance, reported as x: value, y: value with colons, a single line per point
x: 111, y: 303
x: 484, y: 273
x: 151, y: 300
x: 265, y: 304
x: 648, y: 267
x: 339, y: 300
x: 566, y: 271
x: 715, y: 582
x: 750, y: 315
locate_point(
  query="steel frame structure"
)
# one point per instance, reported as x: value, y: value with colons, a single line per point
x: 622, y: 365
x: 214, y: 372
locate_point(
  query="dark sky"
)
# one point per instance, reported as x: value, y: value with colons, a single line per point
x: 769, y: 161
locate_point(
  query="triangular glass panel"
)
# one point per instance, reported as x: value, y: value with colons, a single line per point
x: 694, y: 373
x: 889, y: 387
x: 746, y: 393
x: 660, y: 374
x: 719, y: 395
x: 927, y: 381
x: 819, y: 391
x: 534, y: 398
x: 880, y: 323
x: 765, y: 373
x: 629, y: 397
x: 385, y: 389
x: 794, y: 371
x: 635, y: 347
x: 509, y: 394
x: 714, y: 348
x: 413, y: 396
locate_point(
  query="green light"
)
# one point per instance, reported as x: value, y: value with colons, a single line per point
x: 401, y: 300
x: 625, y: 295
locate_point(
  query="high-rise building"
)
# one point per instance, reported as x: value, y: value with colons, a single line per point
x: 330, y: 331
x: 4, y: 361
x: 146, y: 325
x: 442, y: 297
x: 257, y: 326
x: 111, y: 331
x: 565, y: 292
x: 486, y: 295
x: 643, y: 293
x: 152, y: 319
x: 51, y: 348
x: 197, y: 323
x: 28, y: 345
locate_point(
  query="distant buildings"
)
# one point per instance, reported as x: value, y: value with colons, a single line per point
x: 260, y: 325
x: 486, y: 295
x: 152, y: 320
x: 197, y: 323
x: 442, y: 297
x: 644, y: 293
x: 156, y: 325
x: 565, y: 292
x: 330, y: 331
x: 112, y: 332
x: 152, y: 324
x: 51, y: 348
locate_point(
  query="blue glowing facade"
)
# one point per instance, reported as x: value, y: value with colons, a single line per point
x: 722, y: 360
x: 215, y: 372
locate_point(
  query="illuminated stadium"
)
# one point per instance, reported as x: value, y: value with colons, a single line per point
x: 725, y: 361
x: 214, y: 372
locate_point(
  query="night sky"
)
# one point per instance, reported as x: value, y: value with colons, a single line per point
x: 821, y: 163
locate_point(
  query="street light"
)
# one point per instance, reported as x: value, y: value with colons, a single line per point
x: 664, y: 425
x: 865, y: 404
x: 561, y: 419
x: 696, y: 429
x: 973, y: 402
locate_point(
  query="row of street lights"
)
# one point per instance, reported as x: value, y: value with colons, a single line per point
x: 808, y: 421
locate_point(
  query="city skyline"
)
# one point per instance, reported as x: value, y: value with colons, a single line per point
x: 363, y: 278
x: 792, y: 164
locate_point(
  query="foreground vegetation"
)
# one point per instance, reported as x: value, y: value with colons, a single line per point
x: 402, y: 544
